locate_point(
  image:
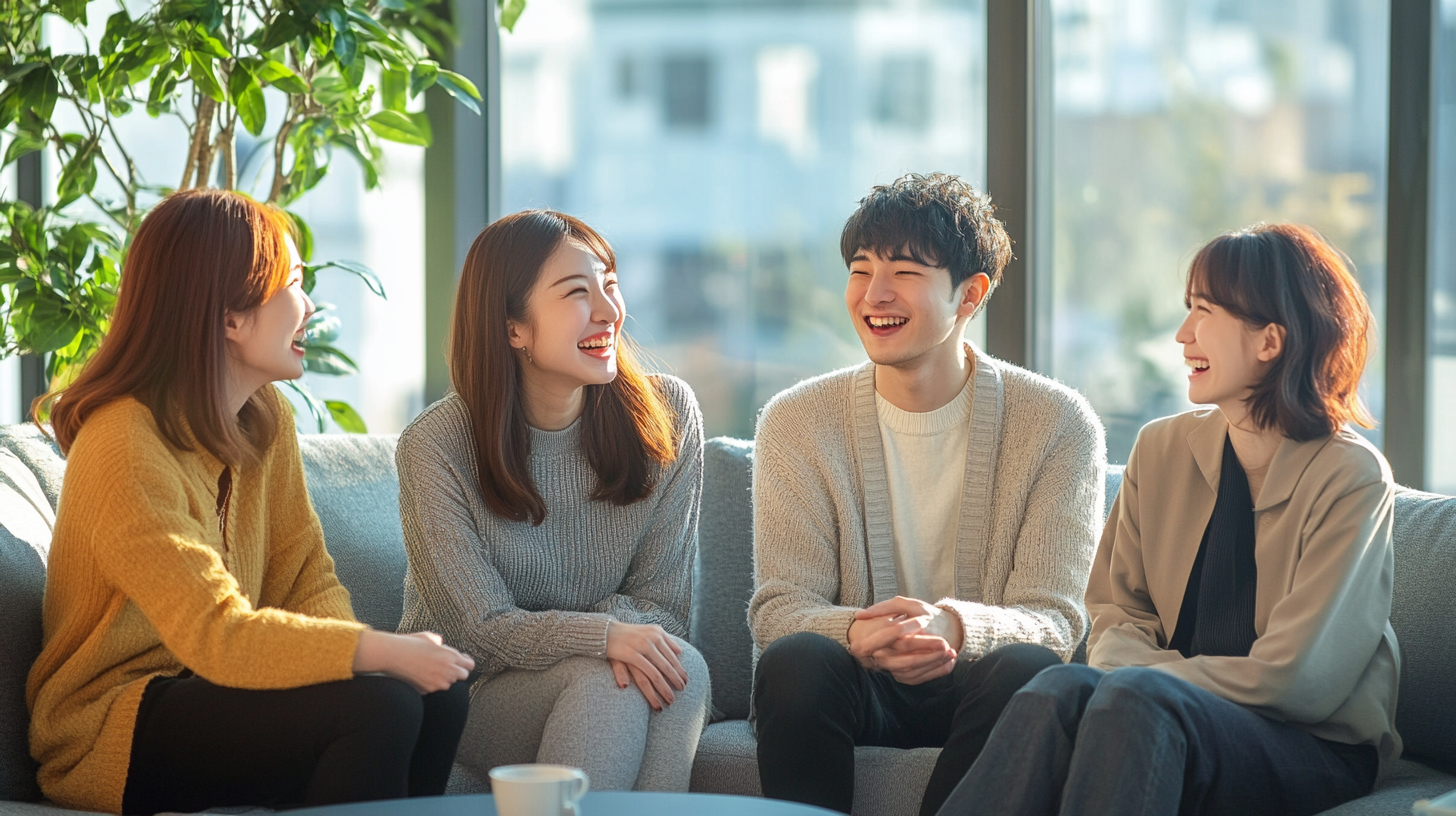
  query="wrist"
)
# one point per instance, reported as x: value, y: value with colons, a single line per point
x: 950, y: 627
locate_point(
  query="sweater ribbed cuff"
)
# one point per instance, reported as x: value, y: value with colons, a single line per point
x: 586, y: 634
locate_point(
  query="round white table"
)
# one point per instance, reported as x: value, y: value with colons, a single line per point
x: 595, y: 803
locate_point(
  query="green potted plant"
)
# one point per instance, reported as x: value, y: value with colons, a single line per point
x: 346, y: 71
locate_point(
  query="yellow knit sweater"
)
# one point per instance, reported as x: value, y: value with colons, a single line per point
x: 142, y: 582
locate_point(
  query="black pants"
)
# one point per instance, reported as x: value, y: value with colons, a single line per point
x: 198, y: 745
x: 814, y: 703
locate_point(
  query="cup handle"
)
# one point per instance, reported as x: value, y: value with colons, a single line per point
x: 579, y: 788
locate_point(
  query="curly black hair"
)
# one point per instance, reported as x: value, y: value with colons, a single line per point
x: 936, y: 220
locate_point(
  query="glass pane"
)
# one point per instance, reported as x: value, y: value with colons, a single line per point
x: 1441, y: 385
x: 720, y: 146
x: 1176, y: 120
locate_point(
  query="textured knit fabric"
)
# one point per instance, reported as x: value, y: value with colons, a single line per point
x: 1030, y: 510
x: 142, y: 582
x: 1326, y: 658
x: 925, y: 507
x: 1217, y: 617
x: 573, y: 713
x: 514, y: 595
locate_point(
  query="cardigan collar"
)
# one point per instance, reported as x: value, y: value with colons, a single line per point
x: 1285, y: 469
x: 973, y: 528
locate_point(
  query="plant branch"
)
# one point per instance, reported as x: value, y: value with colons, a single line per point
x: 202, y: 128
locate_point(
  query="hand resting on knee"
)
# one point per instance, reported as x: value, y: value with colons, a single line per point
x: 421, y: 659
x: 645, y: 655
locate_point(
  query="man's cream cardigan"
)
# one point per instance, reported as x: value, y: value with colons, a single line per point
x: 1326, y: 658
x: 1031, y: 508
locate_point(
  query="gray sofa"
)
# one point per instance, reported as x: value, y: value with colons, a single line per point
x: 353, y: 484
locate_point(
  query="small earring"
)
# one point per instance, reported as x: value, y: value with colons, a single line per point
x: 527, y: 352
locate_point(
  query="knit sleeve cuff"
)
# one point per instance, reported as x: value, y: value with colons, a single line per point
x: 585, y: 634
x: 832, y: 623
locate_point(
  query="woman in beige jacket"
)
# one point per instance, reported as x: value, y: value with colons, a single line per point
x: 1241, y: 658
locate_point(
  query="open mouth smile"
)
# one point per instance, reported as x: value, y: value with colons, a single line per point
x: 601, y: 346
x: 885, y: 325
x: 1198, y: 366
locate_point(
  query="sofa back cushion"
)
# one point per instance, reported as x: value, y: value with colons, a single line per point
x: 1424, y: 618
x: 26, y: 521
x: 723, y: 574
x: 355, y: 491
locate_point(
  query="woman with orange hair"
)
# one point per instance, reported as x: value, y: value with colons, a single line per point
x: 198, y: 649
x: 1241, y: 658
x: 550, y: 509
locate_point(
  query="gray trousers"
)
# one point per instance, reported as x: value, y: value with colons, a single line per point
x: 574, y: 714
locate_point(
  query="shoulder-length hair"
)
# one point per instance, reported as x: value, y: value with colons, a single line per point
x: 197, y: 255
x: 1289, y: 275
x: 627, y: 424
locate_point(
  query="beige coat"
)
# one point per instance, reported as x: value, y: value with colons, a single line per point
x: 1325, y: 659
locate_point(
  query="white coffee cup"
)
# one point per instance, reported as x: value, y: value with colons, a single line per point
x: 537, y: 790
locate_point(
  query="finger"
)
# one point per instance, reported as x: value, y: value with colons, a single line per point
x: 659, y: 682
x: 895, y: 606
x: 644, y: 685
x: 619, y: 671
x: 895, y: 662
x: 927, y: 673
x: 919, y: 642
x: 667, y: 666
x: 671, y: 653
x: 433, y: 638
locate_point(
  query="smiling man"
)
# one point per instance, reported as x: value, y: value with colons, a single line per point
x: 924, y: 523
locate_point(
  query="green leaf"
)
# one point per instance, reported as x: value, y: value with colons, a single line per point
x: 282, y: 30
x: 211, y: 46
x: 39, y: 92
x: 118, y: 26
x: 346, y: 417
x: 368, y: 165
x: 14, y: 73
x: 328, y: 360
x: 510, y: 12
x: 412, y: 129
x: 21, y: 145
x: 74, y: 11
x: 79, y: 176
x: 346, y: 46
x: 394, y: 5
x: 281, y: 77
x: 461, y: 88
x: 422, y: 76
x: 51, y: 326
x: 200, y: 69
x: 393, y: 83
x: 315, y: 406
x: 247, y: 96
x: 360, y: 271
x: 304, y: 238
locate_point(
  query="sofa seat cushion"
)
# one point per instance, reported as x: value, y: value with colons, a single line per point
x: 887, y: 781
x: 1422, y: 613
x: 1403, y: 783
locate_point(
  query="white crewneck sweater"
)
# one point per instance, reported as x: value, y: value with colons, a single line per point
x: 925, y: 463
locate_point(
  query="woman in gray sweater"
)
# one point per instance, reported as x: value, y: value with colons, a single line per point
x: 550, y: 509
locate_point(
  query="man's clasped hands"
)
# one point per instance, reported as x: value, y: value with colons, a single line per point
x: 912, y: 640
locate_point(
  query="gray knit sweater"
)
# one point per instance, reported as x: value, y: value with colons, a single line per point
x: 1031, y: 510
x: 517, y: 596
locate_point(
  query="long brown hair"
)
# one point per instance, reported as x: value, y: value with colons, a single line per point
x: 198, y: 255
x: 1289, y: 275
x: 627, y: 424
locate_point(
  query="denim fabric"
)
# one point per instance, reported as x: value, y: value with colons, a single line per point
x: 1140, y: 742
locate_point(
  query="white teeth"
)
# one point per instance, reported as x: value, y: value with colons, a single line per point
x: 602, y: 342
x: 1196, y: 365
x: 882, y: 322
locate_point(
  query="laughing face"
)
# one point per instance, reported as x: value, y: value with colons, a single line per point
x: 903, y: 309
x: 1225, y: 356
x: 574, y: 321
x: 266, y: 342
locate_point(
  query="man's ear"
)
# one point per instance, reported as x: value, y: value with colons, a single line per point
x: 1271, y: 343
x: 974, y: 291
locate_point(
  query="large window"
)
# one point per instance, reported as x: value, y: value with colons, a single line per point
x: 1441, y: 385
x: 720, y: 147
x: 1176, y: 120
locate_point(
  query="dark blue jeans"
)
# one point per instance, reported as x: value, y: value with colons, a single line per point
x: 1139, y: 742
